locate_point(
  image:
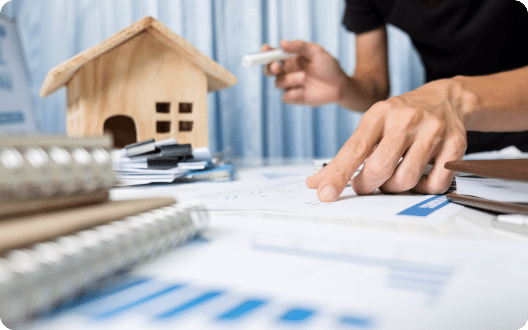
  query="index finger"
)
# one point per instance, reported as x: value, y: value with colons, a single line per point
x: 299, y: 47
x: 332, y: 180
x: 273, y: 68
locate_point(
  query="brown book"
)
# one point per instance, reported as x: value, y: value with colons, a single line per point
x: 505, y: 169
x: 27, y: 230
x: 487, y: 204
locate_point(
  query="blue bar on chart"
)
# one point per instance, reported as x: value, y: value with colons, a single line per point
x: 426, y: 207
x: 191, y: 304
x: 297, y: 315
x: 242, y: 310
x: 356, y: 322
x: 117, y: 285
x: 138, y: 302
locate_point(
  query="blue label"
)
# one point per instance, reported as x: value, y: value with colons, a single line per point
x: 13, y: 117
x: 426, y: 207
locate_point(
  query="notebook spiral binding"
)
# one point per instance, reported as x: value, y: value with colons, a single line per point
x: 36, y: 168
x: 37, y: 279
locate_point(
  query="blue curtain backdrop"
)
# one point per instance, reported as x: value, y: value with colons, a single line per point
x: 247, y: 120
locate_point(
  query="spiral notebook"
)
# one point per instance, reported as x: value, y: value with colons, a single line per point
x: 48, y: 258
x: 52, y: 171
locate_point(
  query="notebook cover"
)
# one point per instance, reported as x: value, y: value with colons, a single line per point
x: 19, y: 208
x: 507, y: 169
x: 24, y: 231
x: 489, y: 205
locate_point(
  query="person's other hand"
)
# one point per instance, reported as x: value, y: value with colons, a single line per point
x: 313, y: 77
x: 421, y: 126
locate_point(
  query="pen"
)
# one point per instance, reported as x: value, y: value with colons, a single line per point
x: 264, y: 57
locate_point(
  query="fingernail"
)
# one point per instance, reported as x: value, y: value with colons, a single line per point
x: 328, y: 194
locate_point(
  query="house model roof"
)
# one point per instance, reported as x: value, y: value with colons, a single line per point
x: 217, y: 77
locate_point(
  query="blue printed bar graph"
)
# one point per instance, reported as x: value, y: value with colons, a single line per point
x: 120, y: 284
x: 391, y: 264
x: 191, y: 304
x: 242, y: 310
x: 150, y: 298
x: 297, y: 315
x: 420, y: 280
x: 356, y: 322
x: 411, y: 276
x: 138, y: 302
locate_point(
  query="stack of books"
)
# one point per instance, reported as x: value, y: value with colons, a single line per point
x: 60, y: 233
x: 167, y: 161
x: 498, y: 185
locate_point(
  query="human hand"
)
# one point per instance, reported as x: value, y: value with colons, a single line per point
x: 313, y: 77
x: 423, y: 126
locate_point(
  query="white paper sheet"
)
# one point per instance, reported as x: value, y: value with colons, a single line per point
x: 510, y: 152
x: 282, y: 189
x: 494, y: 189
x: 268, y: 272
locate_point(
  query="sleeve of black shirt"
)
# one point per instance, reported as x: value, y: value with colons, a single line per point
x: 361, y: 16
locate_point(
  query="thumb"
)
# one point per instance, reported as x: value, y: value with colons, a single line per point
x: 298, y: 47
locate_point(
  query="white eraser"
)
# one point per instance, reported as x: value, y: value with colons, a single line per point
x: 264, y: 57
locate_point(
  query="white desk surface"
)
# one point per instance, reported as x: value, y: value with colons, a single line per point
x: 276, y: 258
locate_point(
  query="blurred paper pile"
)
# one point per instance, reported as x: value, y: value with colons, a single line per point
x: 167, y: 161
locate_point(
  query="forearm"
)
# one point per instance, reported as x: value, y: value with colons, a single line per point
x: 361, y: 92
x: 493, y: 103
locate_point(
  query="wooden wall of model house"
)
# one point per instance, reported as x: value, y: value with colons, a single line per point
x: 139, y: 90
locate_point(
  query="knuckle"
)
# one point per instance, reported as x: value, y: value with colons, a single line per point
x: 355, y: 148
x: 406, y: 180
x: 380, y: 107
x: 437, y: 126
x: 370, y: 118
x: 458, y: 143
x: 379, y: 170
x: 339, y: 173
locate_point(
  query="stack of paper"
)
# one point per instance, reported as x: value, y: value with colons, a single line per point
x: 162, y: 161
x: 498, y: 183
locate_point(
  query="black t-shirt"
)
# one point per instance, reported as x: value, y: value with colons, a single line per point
x: 455, y: 37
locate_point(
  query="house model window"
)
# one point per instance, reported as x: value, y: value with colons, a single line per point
x: 163, y: 107
x: 185, y: 108
x: 163, y: 126
x: 186, y: 126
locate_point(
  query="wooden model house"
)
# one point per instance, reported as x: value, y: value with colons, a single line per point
x: 143, y: 82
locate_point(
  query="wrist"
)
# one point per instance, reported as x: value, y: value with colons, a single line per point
x: 343, y: 90
x: 466, y: 102
x: 354, y: 95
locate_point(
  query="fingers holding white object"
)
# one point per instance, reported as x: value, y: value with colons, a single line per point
x: 309, y: 75
x: 264, y: 57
